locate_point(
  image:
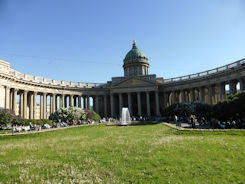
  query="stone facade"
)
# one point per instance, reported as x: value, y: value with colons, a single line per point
x: 34, y: 97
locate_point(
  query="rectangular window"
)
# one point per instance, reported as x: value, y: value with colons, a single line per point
x: 130, y: 71
x: 140, y: 71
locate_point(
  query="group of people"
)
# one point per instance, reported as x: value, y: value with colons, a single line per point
x: 191, y: 120
x: 19, y: 128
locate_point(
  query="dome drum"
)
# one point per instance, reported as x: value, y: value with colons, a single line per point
x: 135, y: 62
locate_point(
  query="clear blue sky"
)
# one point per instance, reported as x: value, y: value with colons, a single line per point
x: 87, y: 40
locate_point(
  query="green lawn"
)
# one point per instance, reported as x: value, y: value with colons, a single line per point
x: 5, y: 131
x: 132, y: 154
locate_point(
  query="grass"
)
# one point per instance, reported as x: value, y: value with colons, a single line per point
x: 132, y: 154
x: 5, y: 131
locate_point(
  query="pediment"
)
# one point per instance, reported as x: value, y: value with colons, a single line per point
x: 134, y: 82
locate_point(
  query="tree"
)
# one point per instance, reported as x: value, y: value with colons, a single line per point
x: 7, y: 116
x: 233, y: 108
x: 186, y: 109
x: 73, y: 113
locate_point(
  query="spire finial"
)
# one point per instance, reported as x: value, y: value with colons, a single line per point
x: 134, y: 44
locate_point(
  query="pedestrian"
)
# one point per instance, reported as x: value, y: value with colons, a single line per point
x: 176, y: 120
x: 13, y: 129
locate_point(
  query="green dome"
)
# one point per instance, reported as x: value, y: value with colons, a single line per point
x: 135, y: 53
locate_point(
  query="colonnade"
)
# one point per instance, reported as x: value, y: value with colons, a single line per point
x: 210, y: 94
x: 24, y: 103
x: 139, y: 103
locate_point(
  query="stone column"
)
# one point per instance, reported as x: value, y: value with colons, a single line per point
x: 54, y: 103
x: 65, y: 101
x: 112, y: 105
x: 74, y: 101
x: 71, y: 100
x: 15, y: 101
x: 221, y: 91
x: 84, y: 102
x: 51, y: 104
x: 174, y: 97
x: 11, y: 99
x: 192, y: 95
x: 88, y: 103
x: 232, y: 86
x: 25, y: 105
x: 44, y: 106
x: 31, y: 106
x: 61, y: 101
x: 21, y: 104
x: 148, y: 107
x: 157, y: 103
x: 182, y: 96
x: 202, y: 96
x: 165, y: 98
x: 94, y: 103
x: 97, y: 104
x: 79, y: 101
x: 34, y: 104
x: 210, y: 93
x: 7, y: 99
x: 130, y: 104
x: 242, y: 85
x: 41, y: 106
x: 105, y: 106
x: 120, y: 104
x: 139, y: 104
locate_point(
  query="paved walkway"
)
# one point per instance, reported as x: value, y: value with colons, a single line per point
x: 43, y: 130
x: 186, y: 126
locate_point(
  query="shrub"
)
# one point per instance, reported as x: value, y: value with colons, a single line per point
x: 73, y: 113
x: 95, y: 116
x: 186, y: 109
x: 7, y: 116
x: 232, y: 108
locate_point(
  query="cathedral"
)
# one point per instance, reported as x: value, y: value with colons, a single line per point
x: 144, y: 94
